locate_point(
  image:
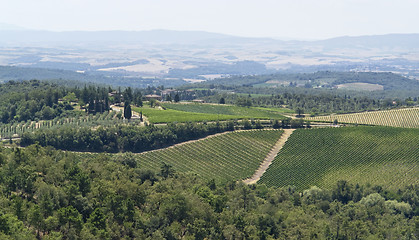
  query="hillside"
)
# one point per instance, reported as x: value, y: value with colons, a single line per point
x: 29, y: 73
x: 319, y: 157
x: 61, y: 195
x: 323, y: 79
x: 389, y: 41
x: 226, y: 157
x: 404, y: 117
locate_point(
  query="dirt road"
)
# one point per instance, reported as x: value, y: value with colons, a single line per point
x: 268, y: 160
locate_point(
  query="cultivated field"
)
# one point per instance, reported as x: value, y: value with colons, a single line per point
x: 253, y: 112
x: 157, y: 115
x: 206, y: 112
x: 359, y: 86
x: 101, y: 119
x: 406, y: 117
x: 367, y: 155
x: 224, y: 157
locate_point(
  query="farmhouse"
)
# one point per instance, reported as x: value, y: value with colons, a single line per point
x: 153, y: 96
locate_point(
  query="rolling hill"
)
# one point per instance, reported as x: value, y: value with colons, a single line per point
x: 382, y: 156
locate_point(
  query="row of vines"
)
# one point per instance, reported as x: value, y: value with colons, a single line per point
x: 17, y: 129
x: 367, y: 155
x: 406, y: 118
x: 224, y: 157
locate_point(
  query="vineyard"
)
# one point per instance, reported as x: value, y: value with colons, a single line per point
x: 407, y: 118
x: 17, y: 129
x: 247, y: 112
x: 367, y: 155
x: 224, y: 157
x: 205, y: 112
x: 157, y: 115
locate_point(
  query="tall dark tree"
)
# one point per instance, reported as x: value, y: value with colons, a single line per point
x: 299, y: 112
x: 128, y: 96
x: 177, y: 98
x: 127, y: 110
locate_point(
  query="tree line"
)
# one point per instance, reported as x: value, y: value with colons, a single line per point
x: 134, y: 138
x: 122, y: 137
x: 313, y: 104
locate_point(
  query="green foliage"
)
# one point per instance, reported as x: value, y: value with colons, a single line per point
x: 155, y: 115
x: 132, y: 138
x: 177, y: 98
x: 127, y: 110
x: 377, y: 155
x: 243, y: 102
x: 127, y: 202
x: 225, y: 111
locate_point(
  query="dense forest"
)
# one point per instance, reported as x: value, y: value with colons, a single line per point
x: 313, y: 104
x: 49, y: 194
x: 123, y: 137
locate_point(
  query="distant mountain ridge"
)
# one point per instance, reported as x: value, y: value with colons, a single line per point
x: 13, y: 36
x: 151, y: 37
x: 374, y: 41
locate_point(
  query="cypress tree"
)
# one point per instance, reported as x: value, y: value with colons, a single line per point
x: 127, y: 110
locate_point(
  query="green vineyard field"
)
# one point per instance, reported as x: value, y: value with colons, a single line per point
x: 407, y: 118
x: 225, y: 157
x: 17, y: 129
x: 383, y: 156
x: 205, y: 112
x: 248, y: 112
x: 156, y: 115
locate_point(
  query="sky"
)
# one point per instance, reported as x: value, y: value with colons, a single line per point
x: 283, y: 19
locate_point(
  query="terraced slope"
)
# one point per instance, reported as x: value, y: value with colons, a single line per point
x: 225, y: 157
x: 377, y: 155
x: 407, y: 118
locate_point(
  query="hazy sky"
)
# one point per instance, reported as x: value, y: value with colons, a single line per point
x: 300, y: 19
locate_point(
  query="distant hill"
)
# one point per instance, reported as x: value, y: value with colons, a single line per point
x: 21, y: 73
x: 15, y: 35
x: 328, y: 79
x: 404, y: 41
x: 148, y: 37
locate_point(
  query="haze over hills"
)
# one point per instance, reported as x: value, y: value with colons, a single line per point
x: 198, y: 55
x: 11, y: 34
x: 389, y: 41
x: 19, y: 36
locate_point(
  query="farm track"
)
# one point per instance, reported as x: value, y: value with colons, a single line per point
x: 134, y: 114
x: 270, y: 157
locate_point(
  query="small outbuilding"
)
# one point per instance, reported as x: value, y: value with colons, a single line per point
x: 153, y: 96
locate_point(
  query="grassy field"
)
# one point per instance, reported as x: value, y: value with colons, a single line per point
x: 242, y: 112
x: 367, y: 155
x: 407, y: 118
x: 156, y: 115
x: 225, y: 157
x: 184, y: 112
